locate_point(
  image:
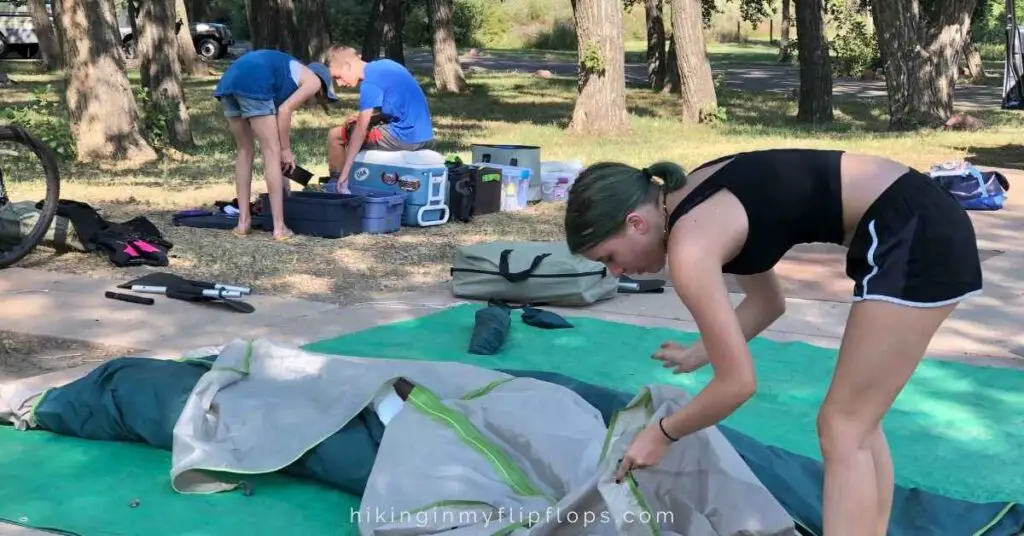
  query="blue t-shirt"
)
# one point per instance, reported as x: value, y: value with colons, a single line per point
x: 389, y: 86
x: 261, y: 75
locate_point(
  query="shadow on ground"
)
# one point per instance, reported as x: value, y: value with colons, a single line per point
x: 1005, y: 156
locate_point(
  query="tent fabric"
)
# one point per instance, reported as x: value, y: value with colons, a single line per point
x: 513, y: 444
x: 113, y: 401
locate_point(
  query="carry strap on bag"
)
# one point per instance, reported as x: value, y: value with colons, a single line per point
x: 530, y: 273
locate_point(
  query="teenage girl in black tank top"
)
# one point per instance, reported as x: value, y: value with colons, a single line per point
x: 911, y: 256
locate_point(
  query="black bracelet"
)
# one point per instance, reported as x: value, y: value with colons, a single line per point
x: 662, y: 426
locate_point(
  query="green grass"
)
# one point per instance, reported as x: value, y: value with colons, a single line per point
x: 520, y: 108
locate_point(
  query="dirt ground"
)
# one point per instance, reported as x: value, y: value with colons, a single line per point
x: 22, y: 355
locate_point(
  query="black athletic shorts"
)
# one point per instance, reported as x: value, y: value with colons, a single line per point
x: 914, y: 246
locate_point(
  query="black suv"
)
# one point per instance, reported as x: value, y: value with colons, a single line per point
x: 211, y: 40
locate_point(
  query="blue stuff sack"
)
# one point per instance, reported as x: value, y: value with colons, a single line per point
x: 972, y: 188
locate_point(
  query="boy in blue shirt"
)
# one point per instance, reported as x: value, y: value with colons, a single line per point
x: 259, y: 92
x: 393, y: 112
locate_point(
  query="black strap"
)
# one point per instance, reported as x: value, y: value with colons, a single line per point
x: 518, y: 277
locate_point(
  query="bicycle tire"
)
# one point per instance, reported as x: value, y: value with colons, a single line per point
x: 18, y: 134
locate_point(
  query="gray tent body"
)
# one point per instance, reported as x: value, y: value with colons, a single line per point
x: 521, y: 454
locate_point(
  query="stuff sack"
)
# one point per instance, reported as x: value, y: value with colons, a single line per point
x: 461, y: 190
x: 530, y: 272
x: 17, y: 219
x: 972, y: 188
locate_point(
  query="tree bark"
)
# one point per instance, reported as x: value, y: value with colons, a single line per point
x: 601, y: 104
x: 158, y: 51
x: 49, y: 47
x: 815, y: 103
x: 374, y: 29
x: 132, y: 8
x: 187, y: 57
x: 311, y: 16
x: 975, y: 66
x: 784, y: 53
x: 101, y: 107
x: 671, y: 68
x: 921, y: 59
x: 448, y: 76
x: 696, y: 84
x: 198, y: 10
x: 272, y: 24
x: 656, y: 50
x: 394, y: 24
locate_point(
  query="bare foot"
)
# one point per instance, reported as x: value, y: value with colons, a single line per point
x: 242, y: 229
x: 283, y: 235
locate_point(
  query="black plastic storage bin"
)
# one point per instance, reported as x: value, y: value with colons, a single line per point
x: 322, y: 214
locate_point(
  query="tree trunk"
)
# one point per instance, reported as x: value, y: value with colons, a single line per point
x: 601, y: 104
x: 272, y: 24
x: 784, y: 53
x: 374, y: 29
x: 311, y: 16
x: 187, y: 58
x: 394, y: 24
x: 132, y: 8
x: 158, y: 51
x: 101, y: 107
x: 671, y: 68
x: 815, y: 104
x: 975, y: 66
x: 58, y: 29
x: 921, y: 60
x: 198, y: 10
x: 656, y: 50
x: 49, y: 48
x: 696, y: 84
x: 448, y: 75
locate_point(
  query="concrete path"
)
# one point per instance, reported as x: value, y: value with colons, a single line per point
x: 43, y: 303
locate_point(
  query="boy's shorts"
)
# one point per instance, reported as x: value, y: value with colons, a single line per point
x: 235, y: 106
x: 379, y: 137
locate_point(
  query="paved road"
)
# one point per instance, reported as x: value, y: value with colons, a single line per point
x: 757, y: 78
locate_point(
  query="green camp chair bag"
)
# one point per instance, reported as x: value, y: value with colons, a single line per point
x: 530, y: 272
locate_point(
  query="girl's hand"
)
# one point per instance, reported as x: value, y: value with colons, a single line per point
x: 681, y: 358
x: 287, y: 161
x: 647, y: 449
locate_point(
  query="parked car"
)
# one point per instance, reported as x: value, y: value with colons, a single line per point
x: 17, y: 33
x: 211, y: 39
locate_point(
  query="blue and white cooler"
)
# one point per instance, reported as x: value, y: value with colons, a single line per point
x: 421, y: 175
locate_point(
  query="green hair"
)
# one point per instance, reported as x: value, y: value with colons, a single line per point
x: 606, y: 192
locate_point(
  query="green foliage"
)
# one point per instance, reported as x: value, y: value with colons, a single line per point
x: 855, y: 45
x: 592, y: 59
x: 45, y: 119
x: 156, y: 116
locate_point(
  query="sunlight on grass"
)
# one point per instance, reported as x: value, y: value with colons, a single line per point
x: 520, y: 108
x: 517, y: 108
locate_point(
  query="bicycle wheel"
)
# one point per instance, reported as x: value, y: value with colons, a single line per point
x: 19, y: 136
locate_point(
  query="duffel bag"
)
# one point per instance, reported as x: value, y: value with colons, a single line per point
x: 18, y: 219
x: 530, y: 272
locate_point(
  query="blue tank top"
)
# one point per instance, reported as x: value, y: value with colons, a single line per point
x: 260, y: 75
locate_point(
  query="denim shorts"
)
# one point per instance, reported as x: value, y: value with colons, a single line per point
x: 236, y: 106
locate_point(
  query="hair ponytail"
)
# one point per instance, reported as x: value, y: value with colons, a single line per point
x: 672, y: 174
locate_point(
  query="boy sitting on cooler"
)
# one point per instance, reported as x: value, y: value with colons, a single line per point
x: 393, y: 112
